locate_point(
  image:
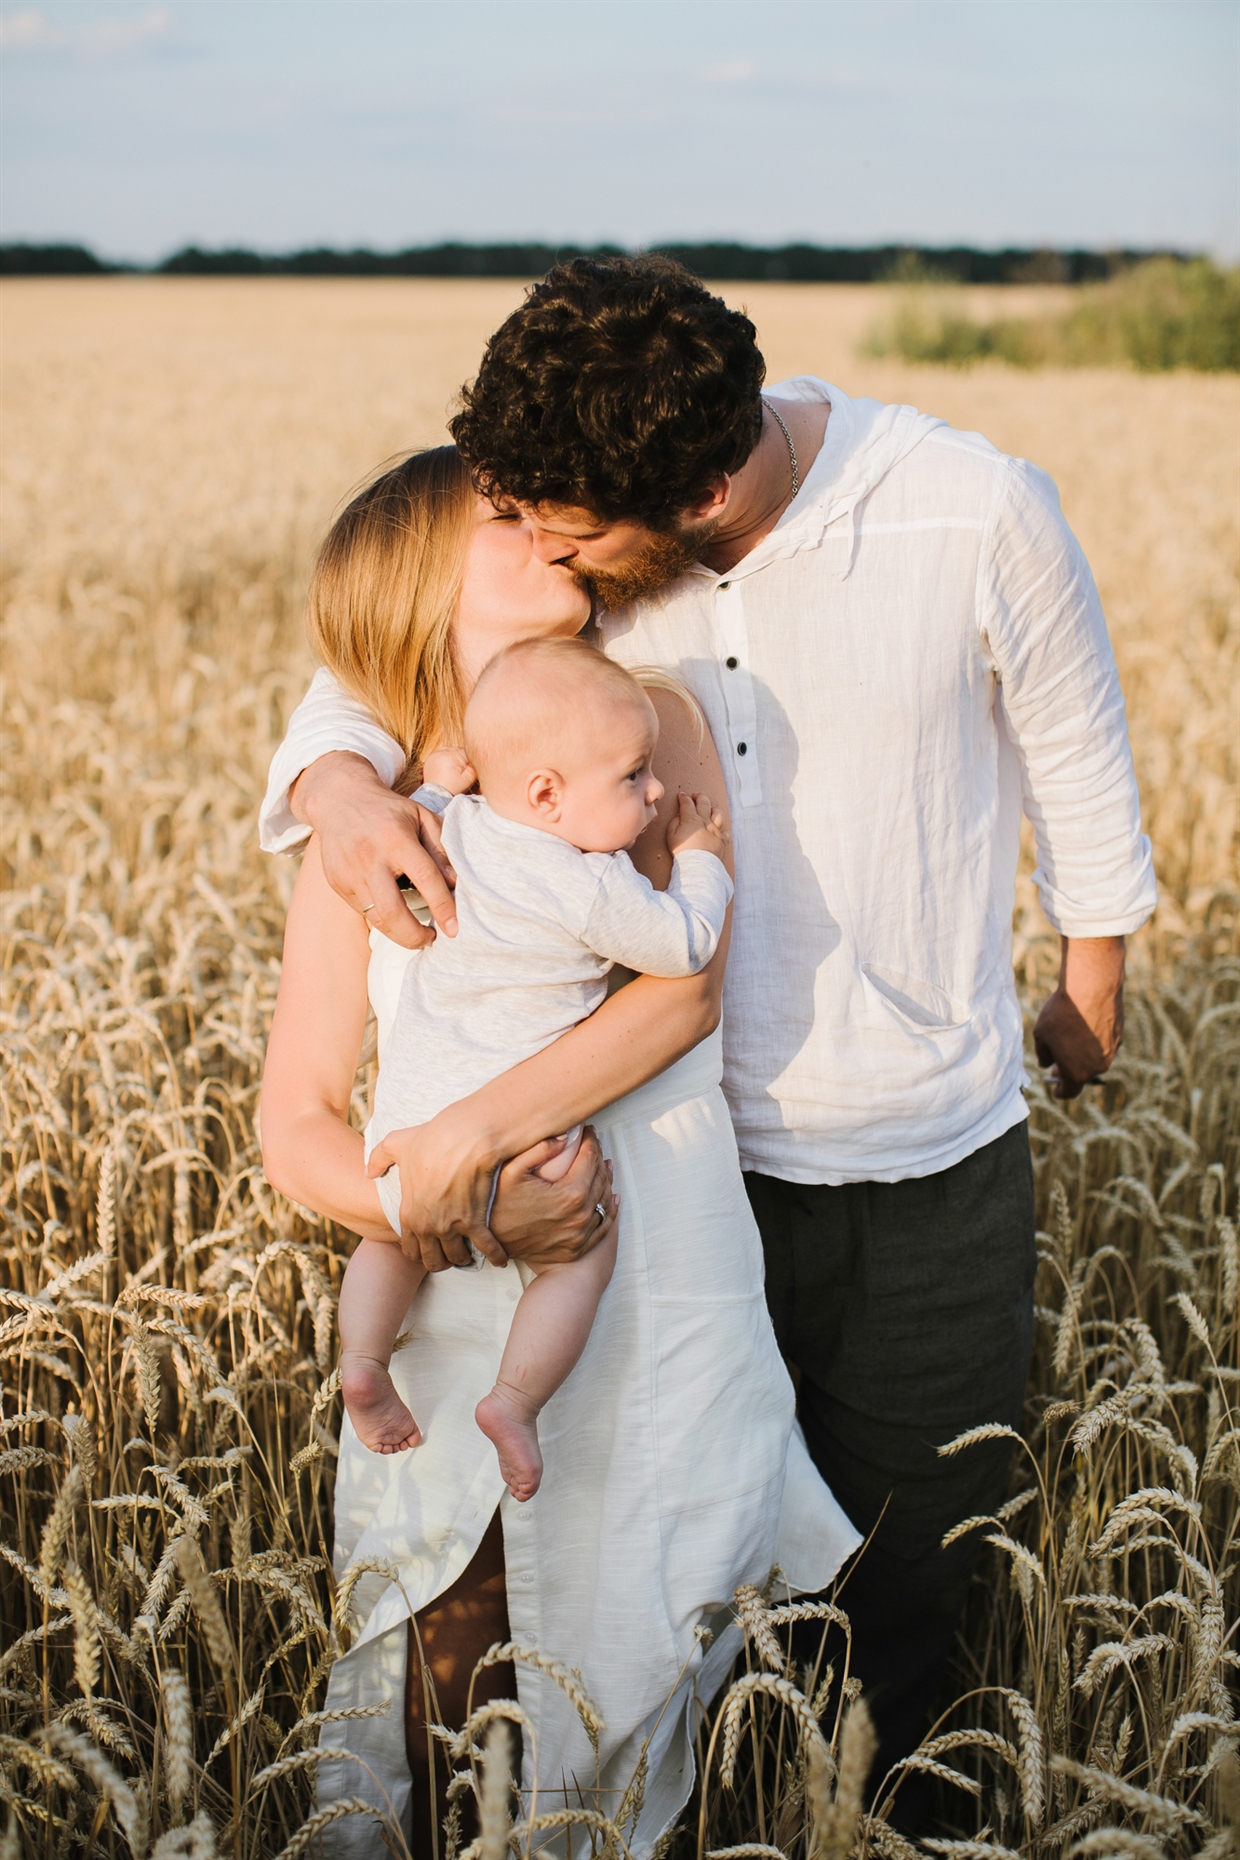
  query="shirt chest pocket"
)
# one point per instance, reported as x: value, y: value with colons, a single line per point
x: 922, y: 1004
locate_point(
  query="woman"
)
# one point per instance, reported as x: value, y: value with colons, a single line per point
x: 673, y: 1471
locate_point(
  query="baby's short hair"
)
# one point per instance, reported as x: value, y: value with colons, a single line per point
x: 534, y: 694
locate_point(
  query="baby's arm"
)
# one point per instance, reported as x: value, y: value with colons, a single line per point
x: 449, y: 771
x: 673, y: 932
x: 445, y: 774
x: 697, y: 826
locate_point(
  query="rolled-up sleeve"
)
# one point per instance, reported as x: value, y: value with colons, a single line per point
x: 326, y: 719
x: 1064, y: 711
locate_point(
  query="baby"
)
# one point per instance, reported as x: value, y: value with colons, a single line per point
x: 559, y: 741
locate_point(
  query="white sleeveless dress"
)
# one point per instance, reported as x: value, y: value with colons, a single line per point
x: 674, y: 1471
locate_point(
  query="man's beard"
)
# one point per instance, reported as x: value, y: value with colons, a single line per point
x: 663, y: 557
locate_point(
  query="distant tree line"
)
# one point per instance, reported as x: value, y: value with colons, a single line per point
x: 795, y: 264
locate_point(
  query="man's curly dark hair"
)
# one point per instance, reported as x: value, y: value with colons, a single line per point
x: 622, y: 386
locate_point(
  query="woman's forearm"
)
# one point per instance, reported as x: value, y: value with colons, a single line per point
x: 318, y: 1160
x: 636, y: 1034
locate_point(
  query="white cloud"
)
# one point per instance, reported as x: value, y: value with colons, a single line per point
x: 30, y: 30
x: 18, y: 30
x: 732, y: 71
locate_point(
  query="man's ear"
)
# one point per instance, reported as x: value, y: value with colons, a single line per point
x: 711, y: 505
x: 544, y: 793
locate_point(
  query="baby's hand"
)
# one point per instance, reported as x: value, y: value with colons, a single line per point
x: 698, y: 827
x: 450, y: 769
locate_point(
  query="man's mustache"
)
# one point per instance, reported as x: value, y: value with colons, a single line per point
x: 661, y: 558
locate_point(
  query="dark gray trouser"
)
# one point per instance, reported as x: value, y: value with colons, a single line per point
x: 908, y: 1309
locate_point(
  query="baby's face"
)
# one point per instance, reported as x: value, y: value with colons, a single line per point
x: 610, y: 794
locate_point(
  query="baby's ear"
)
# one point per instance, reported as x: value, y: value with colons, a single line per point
x: 544, y: 792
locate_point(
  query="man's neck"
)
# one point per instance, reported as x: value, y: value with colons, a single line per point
x: 762, y: 488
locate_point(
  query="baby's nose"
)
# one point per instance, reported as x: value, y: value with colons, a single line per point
x: 654, y: 791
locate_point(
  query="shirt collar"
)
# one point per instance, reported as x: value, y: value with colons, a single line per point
x: 802, y: 524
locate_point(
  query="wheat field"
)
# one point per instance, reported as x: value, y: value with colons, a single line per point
x: 172, y: 450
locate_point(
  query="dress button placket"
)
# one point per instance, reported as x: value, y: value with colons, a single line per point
x: 738, y: 692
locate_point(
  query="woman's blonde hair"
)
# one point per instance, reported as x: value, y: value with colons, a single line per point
x: 384, y: 589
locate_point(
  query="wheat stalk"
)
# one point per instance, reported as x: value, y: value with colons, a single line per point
x: 178, y: 1737
x: 206, y: 1601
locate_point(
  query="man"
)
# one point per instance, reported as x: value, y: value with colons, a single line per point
x: 895, y: 638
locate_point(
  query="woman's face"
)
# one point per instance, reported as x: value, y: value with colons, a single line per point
x: 508, y: 593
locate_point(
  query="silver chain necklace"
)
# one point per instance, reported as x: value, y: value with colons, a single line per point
x: 792, y: 451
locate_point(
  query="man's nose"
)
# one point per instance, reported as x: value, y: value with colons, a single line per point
x: 549, y: 547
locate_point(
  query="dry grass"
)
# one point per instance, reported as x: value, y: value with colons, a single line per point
x: 167, y: 1614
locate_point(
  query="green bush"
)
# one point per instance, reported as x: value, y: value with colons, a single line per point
x: 1159, y: 315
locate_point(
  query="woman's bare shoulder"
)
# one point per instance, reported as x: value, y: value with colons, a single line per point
x: 685, y: 760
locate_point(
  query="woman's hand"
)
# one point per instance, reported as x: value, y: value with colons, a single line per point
x: 446, y: 1186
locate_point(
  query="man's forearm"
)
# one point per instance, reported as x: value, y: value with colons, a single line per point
x: 636, y: 1034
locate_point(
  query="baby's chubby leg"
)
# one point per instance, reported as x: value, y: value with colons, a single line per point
x: 550, y: 1328
x: 379, y: 1283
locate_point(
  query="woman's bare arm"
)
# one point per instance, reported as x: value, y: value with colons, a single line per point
x: 310, y: 1151
x: 446, y: 1166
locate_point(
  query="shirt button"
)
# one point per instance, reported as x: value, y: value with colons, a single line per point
x: 723, y: 585
x: 742, y: 749
x: 731, y: 664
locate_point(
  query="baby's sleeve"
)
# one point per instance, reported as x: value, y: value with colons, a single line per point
x: 432, y: 797
x: 668, y: 933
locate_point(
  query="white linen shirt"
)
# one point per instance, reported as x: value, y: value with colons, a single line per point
x: 916, y: 649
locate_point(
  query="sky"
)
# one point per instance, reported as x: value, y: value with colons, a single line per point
x: 137, y: 129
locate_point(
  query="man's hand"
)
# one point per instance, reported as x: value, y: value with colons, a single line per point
x: 370, y: 835
x: 555, y: 1221
x: 445, y: 1189
x: 1079, y: 1030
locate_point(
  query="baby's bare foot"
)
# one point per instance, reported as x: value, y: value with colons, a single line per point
x: 510, y: 1422
x: 382, y: 1421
